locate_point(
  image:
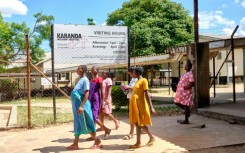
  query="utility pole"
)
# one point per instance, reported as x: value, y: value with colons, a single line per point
x: 196, y: 37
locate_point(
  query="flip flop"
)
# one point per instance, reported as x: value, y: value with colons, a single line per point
x: 134, y: 146
x: 72, y: 148
x: 150, y: 143
x: 99, y: 146
x: 183, y: 122
x: 128, y: 137
x: 143, y: 132
x: 107, y: 134
x: 89, y: 139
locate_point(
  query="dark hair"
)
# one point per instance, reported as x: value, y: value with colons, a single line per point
x: 83, y: 67
x: 131, y: 69
x: 138, y: 70
x: 189, y: 64
x: 96, y: 67
x: 106, y: 72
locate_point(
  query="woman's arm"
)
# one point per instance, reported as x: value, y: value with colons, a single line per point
x: 109, y: 93
x: 190, y: 85
x: 101, y: 92
x: 148, y: 98
x: 81, y: 108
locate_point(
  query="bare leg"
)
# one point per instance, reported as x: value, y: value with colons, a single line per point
x: 180, y: 105
x: 145, y: 128
x: 138, y: 135
x: 114, y: 120
x: 187, y: 114
x: 107, y: 130
x: 101, y: 117
x: 74, y: 146
x: 97, y: 142
x: 152, y: 138
x: 131, y: 133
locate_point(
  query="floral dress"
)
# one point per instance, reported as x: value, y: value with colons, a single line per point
x: 182, y: 96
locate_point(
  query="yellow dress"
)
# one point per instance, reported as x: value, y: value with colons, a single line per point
x: 139, y: 112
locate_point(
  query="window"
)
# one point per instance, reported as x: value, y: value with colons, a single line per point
x: 63, y: 76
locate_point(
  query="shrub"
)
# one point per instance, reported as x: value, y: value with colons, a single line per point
x: 119, y: 99
x: 7, y: 89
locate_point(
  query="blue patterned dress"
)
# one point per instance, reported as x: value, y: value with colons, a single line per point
x: 83, y: 123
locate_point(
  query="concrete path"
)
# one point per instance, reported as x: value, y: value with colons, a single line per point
x: 171, y: 137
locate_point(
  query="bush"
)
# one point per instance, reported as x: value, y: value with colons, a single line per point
x: 7, y: 89
x: 119, y: 99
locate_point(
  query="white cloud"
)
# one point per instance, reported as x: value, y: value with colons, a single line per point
x: 240, y: 31
x: 243, y: 3
x: 214, y: 19
x: 236, y: 1
x: 10, y: 7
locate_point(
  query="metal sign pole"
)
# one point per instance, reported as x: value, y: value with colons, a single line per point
x: 28, y: 81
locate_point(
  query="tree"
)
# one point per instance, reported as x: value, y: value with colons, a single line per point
x: 91, y: 21
x: 13, y: 43
x: 154, y: 25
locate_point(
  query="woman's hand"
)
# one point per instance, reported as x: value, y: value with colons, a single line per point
x: 80, y: 110
x: 153, y: 111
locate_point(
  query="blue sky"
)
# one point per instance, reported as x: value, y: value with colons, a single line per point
x: 215, y: 16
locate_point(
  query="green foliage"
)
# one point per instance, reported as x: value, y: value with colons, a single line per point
x: 118, y: 97
x: 91, y: 21
x: 154, y: 25
x: 7, y: 89
x: 13, y: 42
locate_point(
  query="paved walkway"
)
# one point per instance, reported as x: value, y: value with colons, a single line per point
x: 171, y: 137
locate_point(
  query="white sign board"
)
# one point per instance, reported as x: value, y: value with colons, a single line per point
x: 90, y: 44
x: 45, y: 82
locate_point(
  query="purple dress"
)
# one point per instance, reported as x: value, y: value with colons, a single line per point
x: 94, y: 98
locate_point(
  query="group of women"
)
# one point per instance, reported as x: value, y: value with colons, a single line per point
x: 91, y: 100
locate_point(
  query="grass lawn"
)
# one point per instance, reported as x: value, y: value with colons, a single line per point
x: 43, y: 116
x: 39, y: 100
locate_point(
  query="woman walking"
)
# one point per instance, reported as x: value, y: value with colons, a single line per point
x: 83, y: 118
x: 107, y: 104
x: 140, y: 107
x: 96, y: 97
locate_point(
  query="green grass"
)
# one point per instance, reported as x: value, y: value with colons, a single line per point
x: 39, y: 100
x: 42, y: 116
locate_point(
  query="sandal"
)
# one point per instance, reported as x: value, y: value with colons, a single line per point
x: 150, y: 143
x: 107, y: 134
x: 128, y: 137
x: 135, y: 146
x: 99, y: 146
x: 143, y: 132
x: 183, y: 122
x: 89, y: 139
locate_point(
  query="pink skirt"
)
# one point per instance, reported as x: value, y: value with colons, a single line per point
x: 107, y: 109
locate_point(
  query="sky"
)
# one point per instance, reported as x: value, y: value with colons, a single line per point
x: 215, y: 16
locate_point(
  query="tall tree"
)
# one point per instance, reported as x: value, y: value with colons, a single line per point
x: 154, y: 25
x: 13, y: 43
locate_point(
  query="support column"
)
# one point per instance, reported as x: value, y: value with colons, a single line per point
x: 202, y: 75
x: 244, y: 70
